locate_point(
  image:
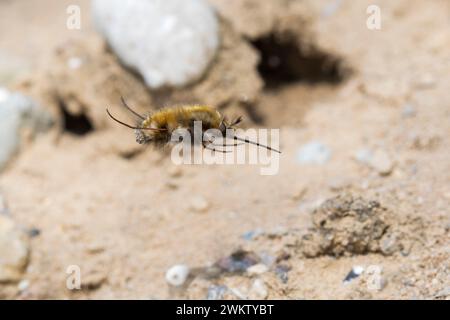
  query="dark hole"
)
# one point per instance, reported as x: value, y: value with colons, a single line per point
x: 75, y: 124
x: 283, y: 61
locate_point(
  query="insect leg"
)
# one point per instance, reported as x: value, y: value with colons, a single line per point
x: 236, y: 121
x: 223, y: 144
x: 228, y: 145
x: 205, y: 145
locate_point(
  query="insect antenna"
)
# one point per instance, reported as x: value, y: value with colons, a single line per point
x: 255, y: 143
x: 130, y: 126
x: 131, y: 110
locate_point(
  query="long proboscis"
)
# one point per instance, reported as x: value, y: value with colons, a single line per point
x: 256, y: 144
x: 130, y: 126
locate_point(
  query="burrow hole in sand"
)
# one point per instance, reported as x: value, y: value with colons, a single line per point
x: 285, y: 60
x: 77, y: 124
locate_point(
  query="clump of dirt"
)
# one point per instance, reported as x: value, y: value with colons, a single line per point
x: 348, y: 225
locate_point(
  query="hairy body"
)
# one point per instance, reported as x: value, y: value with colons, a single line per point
x: 158, y: 127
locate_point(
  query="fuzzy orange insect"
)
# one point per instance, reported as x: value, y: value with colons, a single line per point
x: 157, y: 128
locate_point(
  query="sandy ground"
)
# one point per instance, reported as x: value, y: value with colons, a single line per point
x: 124, y: 214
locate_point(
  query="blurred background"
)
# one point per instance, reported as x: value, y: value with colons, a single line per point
x: 358, y: 209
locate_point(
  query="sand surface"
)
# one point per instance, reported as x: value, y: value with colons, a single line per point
x: 125, y: 214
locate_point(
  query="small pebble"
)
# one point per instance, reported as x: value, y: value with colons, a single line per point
x: 339, y: 183
x: 216, y: 292
x: 172, y: 185
x: 34, y: 232
x: 388, y: 244
x: 299, y: 193
x: 425, y: 81
x: 199, y: 204
x: 443, y: 293
x: 4, y: 94
x: 74, y: 63
x: 257, y: 269
x: 238, y: 293
x: 408, y: 111
x: 93, y: 280
x: 258, y: 290
x: 282, y: 271
x: 267, y: 258
x: 382, y: 163
x: 364, y: 155
x: 238, y: 261
x: 353, y: 274
x: 378, y: 160
x: 95, y: 248
x: 250, y: 235
x: 177, y: 275
x: 23, y: 285
x: 313, y: 153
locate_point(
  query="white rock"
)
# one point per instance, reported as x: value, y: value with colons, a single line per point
x: 313, y: 153
x: 358, y: 270
x: 74, y: 63
x: 4, y: 94
x: 354, y: 273
x: 258, y: 269
x: 14, y: 251
x: 177, y: 275
x: 23, y: 285
x: 408, y: 111
x: 258, y: 291
x: 425, y: 81
x: 169, y: 42
x: 17, y: 112
x: 382, y: 163
x: 364, y: 155
x: 378, y: 160
x: 199, y: 204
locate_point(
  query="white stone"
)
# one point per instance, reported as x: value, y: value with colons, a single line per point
x: 313, y: 153
x: 23, y: 285
x: 177, y: 275
x: 74, y: 63
x: 258, y: 290
x: 378, y: 160
x: 382, y: 163
x: 4, y: 94
x: 358, y: 270
x: 16, y: 112
x: 364, y: 155
x: 199, y: 204
x: 169, y: 42
x: 258, y: 269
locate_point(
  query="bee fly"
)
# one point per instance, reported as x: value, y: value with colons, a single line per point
x: 157, y: 128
